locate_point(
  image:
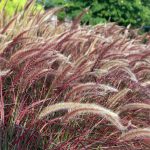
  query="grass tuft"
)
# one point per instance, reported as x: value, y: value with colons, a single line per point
x: 47, y: 69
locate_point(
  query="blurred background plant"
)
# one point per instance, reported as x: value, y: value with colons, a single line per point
x: 124, y: 12
x: 13, y: 6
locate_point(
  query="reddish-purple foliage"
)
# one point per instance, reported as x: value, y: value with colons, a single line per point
x: 48, y: 65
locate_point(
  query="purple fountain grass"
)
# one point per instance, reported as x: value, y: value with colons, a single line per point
x: 42, y: 66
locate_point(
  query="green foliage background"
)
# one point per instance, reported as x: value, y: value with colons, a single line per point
x: 134, y: 12
x: 11, y: 6
x: 124, y: 12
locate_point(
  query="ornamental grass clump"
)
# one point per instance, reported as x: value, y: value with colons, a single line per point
x: 51, y: 76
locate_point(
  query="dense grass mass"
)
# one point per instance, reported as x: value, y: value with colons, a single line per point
x: 72, y: 87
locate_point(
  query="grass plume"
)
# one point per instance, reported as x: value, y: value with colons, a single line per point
x: 102, y: 71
